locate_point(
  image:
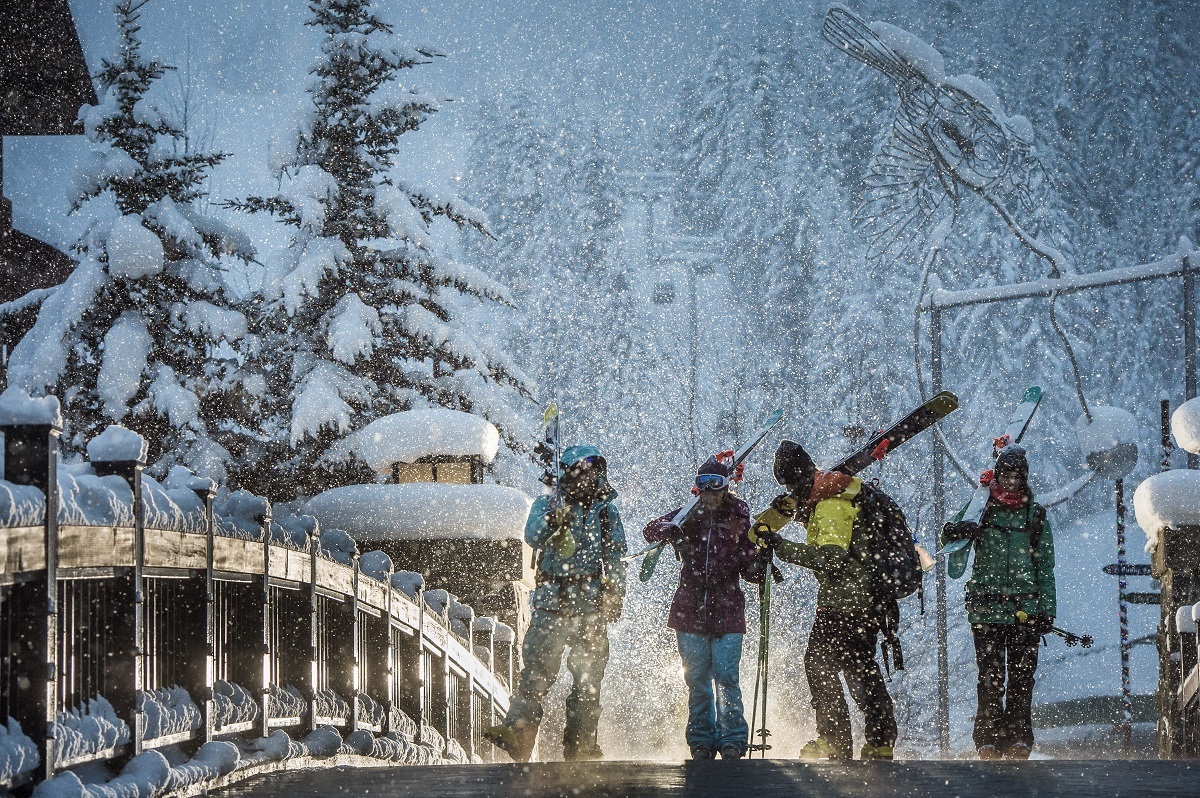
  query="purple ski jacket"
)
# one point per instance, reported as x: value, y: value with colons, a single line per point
x: 715, y: 551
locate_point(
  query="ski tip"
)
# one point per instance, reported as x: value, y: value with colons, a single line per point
x: 773, y: 419
x: 551, y: 413
x: 947, y: 397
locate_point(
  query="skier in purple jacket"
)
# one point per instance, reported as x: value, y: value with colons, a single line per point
x: 709, y: 610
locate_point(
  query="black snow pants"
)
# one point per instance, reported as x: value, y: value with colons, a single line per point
x: 845, y: 644
x: 1003, y: 715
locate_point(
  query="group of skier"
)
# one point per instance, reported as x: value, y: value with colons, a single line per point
x: 1010, y: 603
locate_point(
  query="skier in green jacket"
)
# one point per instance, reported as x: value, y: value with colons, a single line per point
x: 1010, y: 603
x: 843, y: 639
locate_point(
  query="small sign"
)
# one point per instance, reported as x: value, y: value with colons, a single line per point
x: 1143, y: 598
x: 1130, y: 569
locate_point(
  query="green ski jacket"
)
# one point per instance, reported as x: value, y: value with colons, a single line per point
x: 1010, y: 574
x: 843, y: 582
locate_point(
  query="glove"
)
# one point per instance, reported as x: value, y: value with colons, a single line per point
x: 784, y: 504
x: 556, y: 519
x: 958, y: 530
x: 611, y: 602
x: 1042, y: 623
x: 766, y: 537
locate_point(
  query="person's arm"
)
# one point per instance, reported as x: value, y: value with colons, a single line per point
x: 949, y: 532
x: 537, y: 531
x: 829, y: 528
x: 614, y: 548
x: 661, y: 529
x: 1043, y: 571
x: 752, y: 560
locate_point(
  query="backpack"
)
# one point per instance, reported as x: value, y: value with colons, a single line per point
x: 882, y: 541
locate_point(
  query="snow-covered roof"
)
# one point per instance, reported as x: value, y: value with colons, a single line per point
x: 408, y: 436
x: 423, y: 511
x: 1167, y: 500
x: 1185, y: 425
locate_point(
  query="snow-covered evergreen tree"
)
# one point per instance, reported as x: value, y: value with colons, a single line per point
x: 360, y: 317
x: 142, y: 333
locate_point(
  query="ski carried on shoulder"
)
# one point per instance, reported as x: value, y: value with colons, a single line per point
x: 548, y: 451
x: 1018, y: 423
x: 920, y: 419
x: 653, y: 552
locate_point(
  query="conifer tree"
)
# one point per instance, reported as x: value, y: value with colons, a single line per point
x: 142, y: 332
x: 360, y: 319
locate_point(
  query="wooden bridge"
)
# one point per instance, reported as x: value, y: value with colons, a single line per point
x: 263, y: 636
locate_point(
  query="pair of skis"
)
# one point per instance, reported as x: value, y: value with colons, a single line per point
x: 653, y: 552
x: 1013, y: 432
x: 926, y: 415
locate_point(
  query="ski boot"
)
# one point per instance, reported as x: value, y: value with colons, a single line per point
x: 516, y: 742
x: 1017, y: 751
x: 875, y: 752
x: 703, y: 752
x: 820, y: 749
x: 987, y: 752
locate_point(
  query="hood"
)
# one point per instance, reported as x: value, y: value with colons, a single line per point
x: 573, y: 454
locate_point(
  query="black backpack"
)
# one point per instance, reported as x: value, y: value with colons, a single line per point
x: 881, y: 539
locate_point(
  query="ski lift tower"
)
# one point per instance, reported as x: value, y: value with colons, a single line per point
x: 696, y: 254
x: 936, y: 301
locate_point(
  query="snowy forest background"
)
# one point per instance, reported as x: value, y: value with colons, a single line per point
x: 630, y: 158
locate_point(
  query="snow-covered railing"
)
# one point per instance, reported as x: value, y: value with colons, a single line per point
x: 190, y: 615
x: 1171, y: 266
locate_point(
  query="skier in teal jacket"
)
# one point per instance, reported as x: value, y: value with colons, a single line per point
x: 580, y: 589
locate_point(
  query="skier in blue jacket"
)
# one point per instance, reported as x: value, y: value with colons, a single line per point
x: 581, y: 589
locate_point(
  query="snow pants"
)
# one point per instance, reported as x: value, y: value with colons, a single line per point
x: 716, y: 718
x: 1003, y: 716
x: 549, y: 635
x: 845, y: 644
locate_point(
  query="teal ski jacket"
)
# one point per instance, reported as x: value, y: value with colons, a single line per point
x: 576, y: 584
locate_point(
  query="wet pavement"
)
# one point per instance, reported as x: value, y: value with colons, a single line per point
x: 744, y: 779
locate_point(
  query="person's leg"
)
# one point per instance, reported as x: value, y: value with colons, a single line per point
x: 542, y: 651
x: 586, y: 661
x: 822, y: 666
x: 732, y: 730
x: 696, y: 653
x: 869, y: 691
x: 989, y: 659
x: 1017, y: 726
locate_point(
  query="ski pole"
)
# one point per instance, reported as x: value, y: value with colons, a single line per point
x: 761, y: 671
x: 1071, y: 638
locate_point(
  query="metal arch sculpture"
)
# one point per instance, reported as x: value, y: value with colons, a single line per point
x: 949, y: 133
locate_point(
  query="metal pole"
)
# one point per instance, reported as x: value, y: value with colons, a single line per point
x: 1189, y: 341
x: 694, y: 350
x: 1123, y: 609
x: 1167, y: 446
x: 939, y: 514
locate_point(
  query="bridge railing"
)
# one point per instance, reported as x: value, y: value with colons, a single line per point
x: 124, y: 637
x: 1175, y: 561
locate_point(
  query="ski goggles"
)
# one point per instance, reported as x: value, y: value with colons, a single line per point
x: 593, y: 461
x: 711, y: 481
